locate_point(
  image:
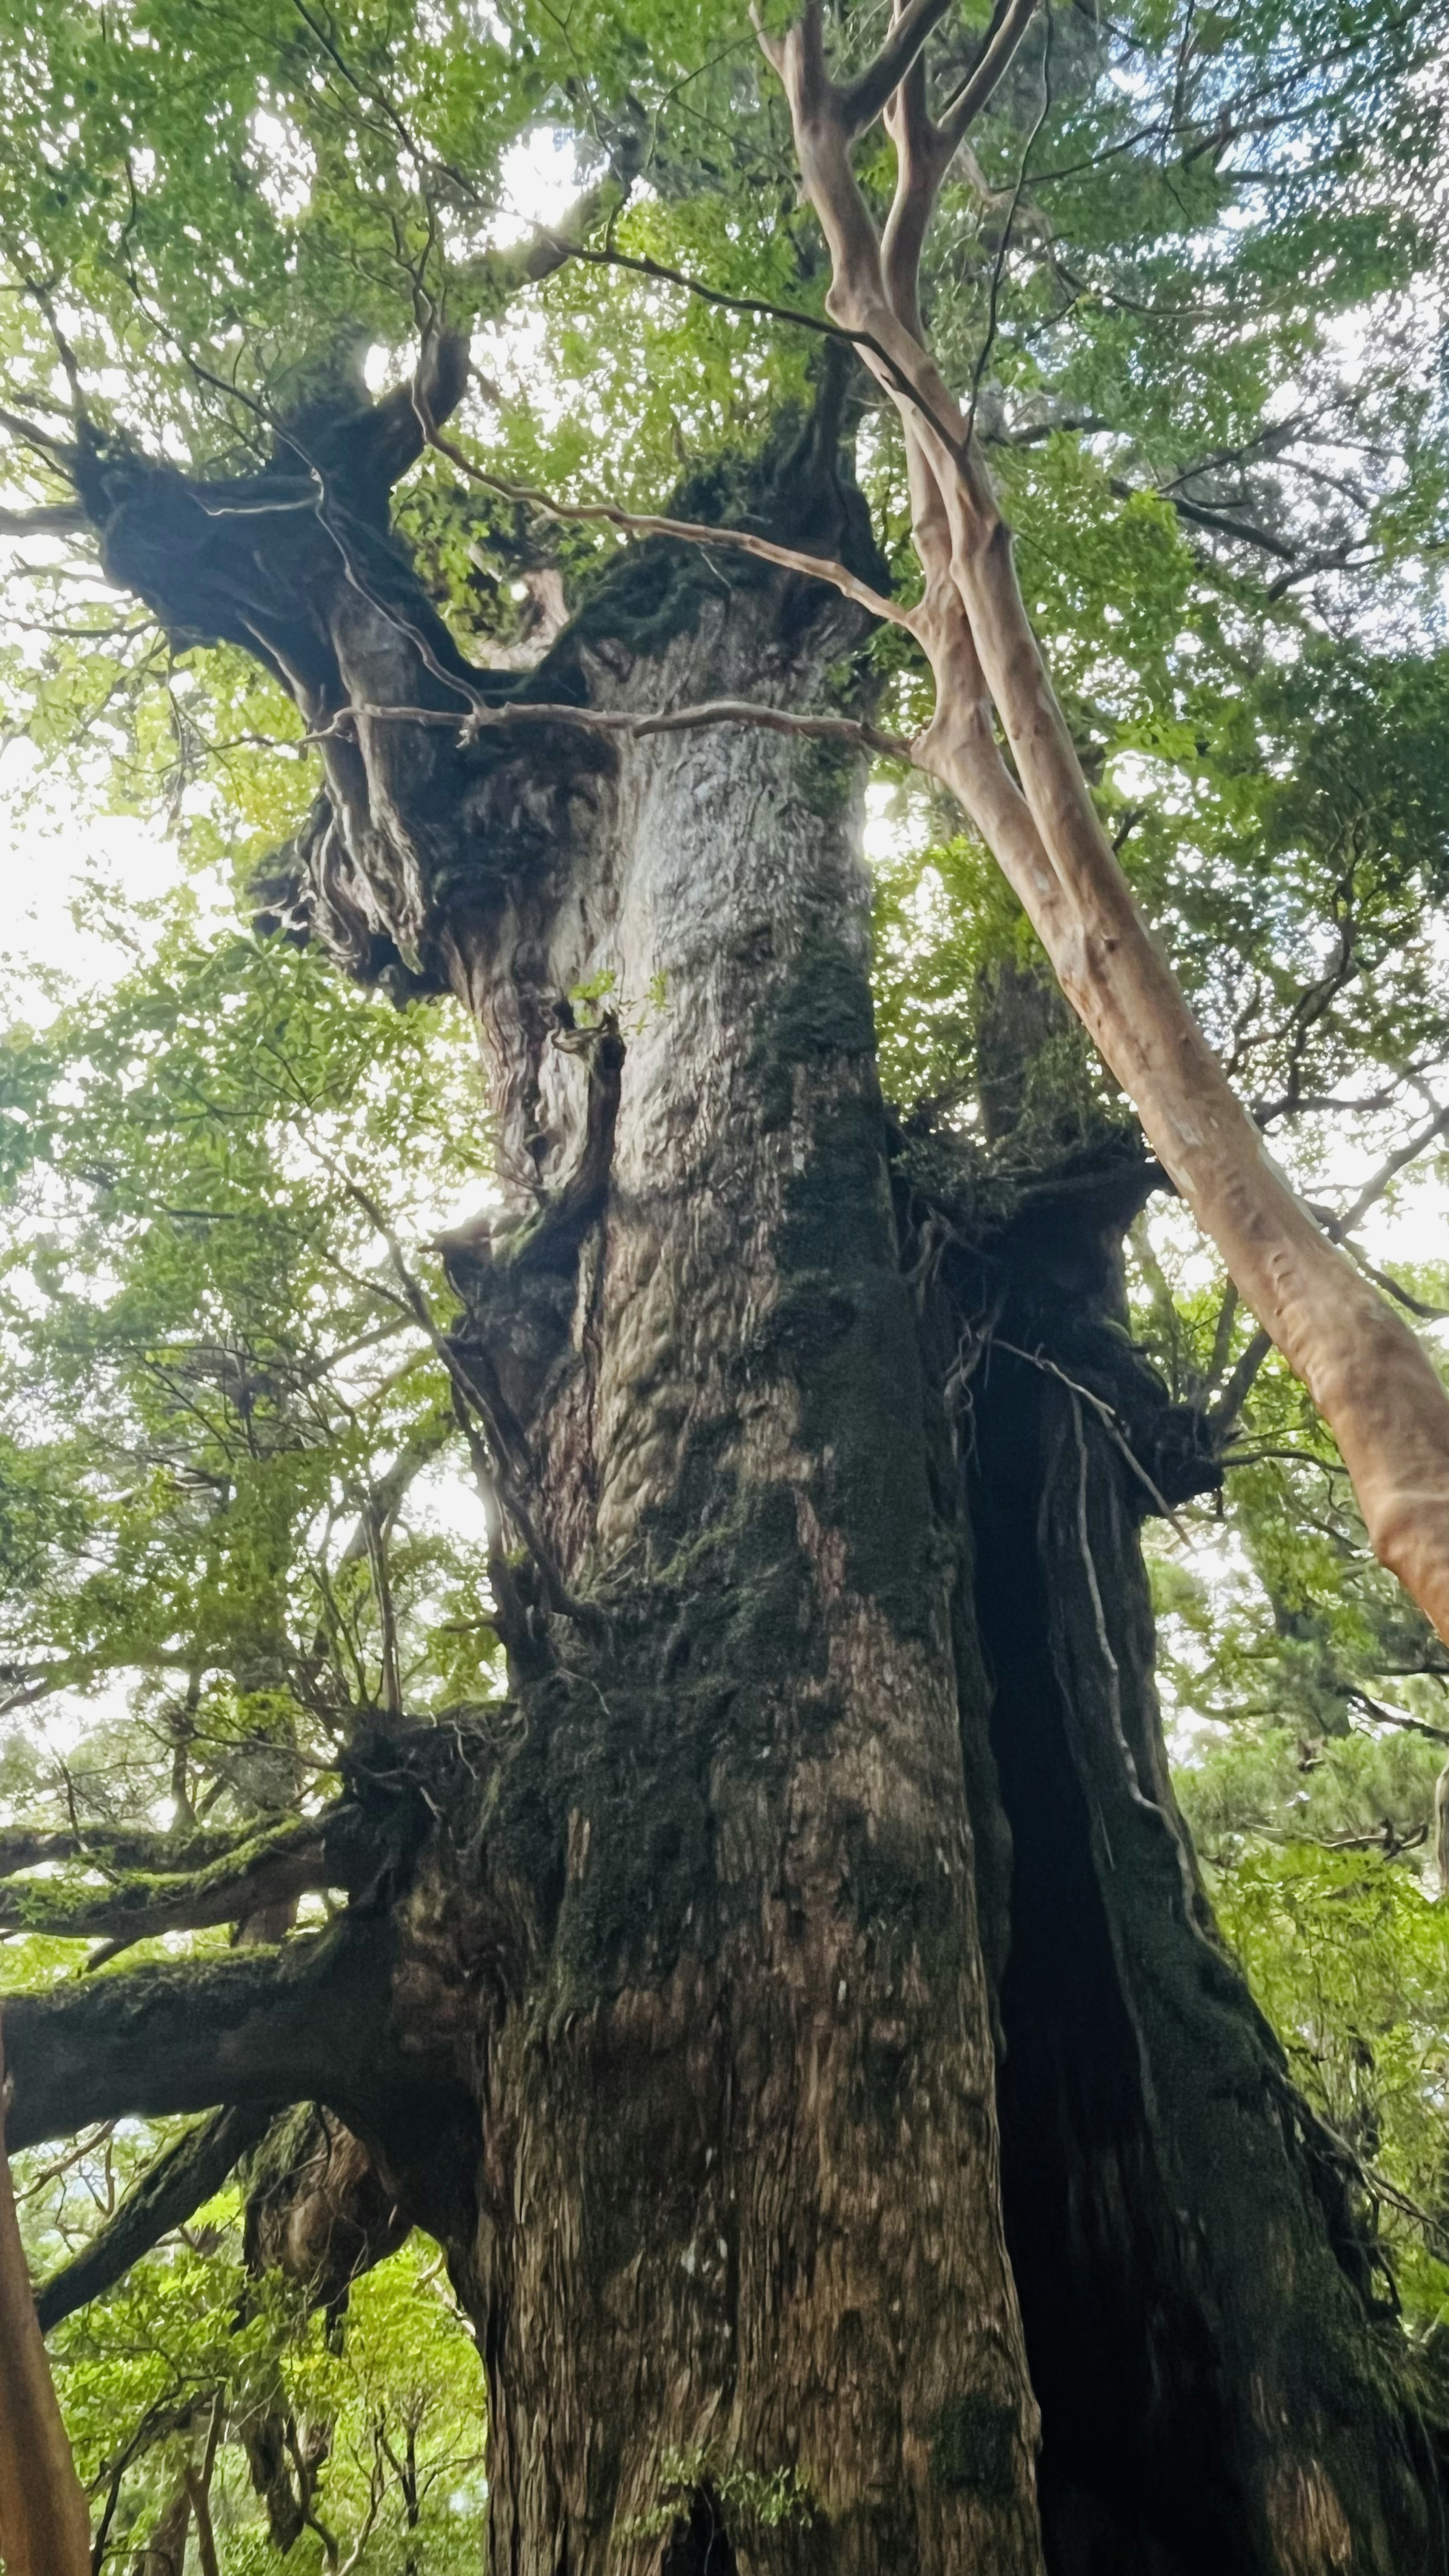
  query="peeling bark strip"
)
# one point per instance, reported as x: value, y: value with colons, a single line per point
x: 44, y: 2526
x: 1369, y: 1377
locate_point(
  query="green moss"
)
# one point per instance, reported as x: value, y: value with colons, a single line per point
x: 78, y: 1908
x: 622, y: 1759
x: 823, y: 1009
x: 271, y: 2164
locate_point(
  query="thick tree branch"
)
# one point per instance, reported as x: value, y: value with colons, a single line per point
x: 180, y: 2181
x: 271, y: 1868
x: 48, y: 519
x: 860, y: 101
x: 1003, y: 41
x: 111, y: 1848
x: 258, y: 2027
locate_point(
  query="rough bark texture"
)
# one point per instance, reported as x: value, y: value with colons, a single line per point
x: 44, y: 2528
x: 683, y: 1996
x: 1214, y: 2356
x: 1370, y: 1377
x: 742, y: 2062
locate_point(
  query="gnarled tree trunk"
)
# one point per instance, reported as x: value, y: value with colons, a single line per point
x: 796, y: 2012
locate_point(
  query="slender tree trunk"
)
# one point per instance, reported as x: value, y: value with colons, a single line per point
x: 44, y: 2528
x: 793, y: 1852
x: 164, y: 2551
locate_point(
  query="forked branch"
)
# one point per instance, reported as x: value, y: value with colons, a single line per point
x: 1370, y: 1378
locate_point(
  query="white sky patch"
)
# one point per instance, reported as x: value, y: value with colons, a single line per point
x: 540, y: 183
x: 51, y: 862
x: 286, y: 166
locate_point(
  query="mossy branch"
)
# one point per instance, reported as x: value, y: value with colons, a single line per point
x: 266, y: 2027
x: 113, y: 1848
x: 268, y: 1868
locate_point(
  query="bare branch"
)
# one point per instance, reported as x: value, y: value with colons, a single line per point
x: 1374, y: 1188
x: 695, y: 532
x: 847, y: 730
x: 1003, y: 40
x: 1239, y: 1386
x: 1199, y: 515
x: 56, y: 451
x: 896, y: 377
x: 51, y: 519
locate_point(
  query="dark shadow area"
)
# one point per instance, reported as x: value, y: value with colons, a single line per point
x: 1134, y: 2435
x: 700, y: 2546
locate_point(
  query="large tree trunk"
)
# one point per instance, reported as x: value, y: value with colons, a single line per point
x: 791, y: 1852
x: 740, y: 2220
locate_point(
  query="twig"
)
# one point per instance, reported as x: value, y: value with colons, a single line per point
x: 761, y: 306
x: 690, y: 531
x: 713, y: 711
x: 999, y: 264
x: 83, y: 2147
x: 1235, y: 1394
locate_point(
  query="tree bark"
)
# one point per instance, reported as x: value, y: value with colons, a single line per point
x: 44, y: 2529
x: 1206, y: 2329
x: 682, y: 2010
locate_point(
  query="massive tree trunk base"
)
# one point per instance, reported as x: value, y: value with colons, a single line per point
x: 794, y: 2011
x: 736, y: 2264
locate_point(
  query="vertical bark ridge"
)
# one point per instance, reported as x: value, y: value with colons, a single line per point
x: 741, y: 2233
